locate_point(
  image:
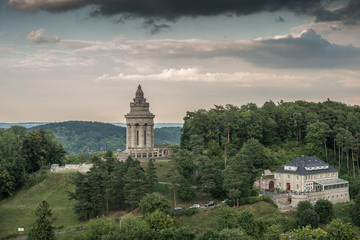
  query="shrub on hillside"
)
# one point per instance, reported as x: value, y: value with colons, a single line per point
x: 154, y: 201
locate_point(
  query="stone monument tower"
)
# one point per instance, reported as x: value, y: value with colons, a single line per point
x: 139, y: 123
x: 140, y: 132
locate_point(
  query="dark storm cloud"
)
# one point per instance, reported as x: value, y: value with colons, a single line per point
x: 172, y: 10
x: 349, y: 14
x: 309, y: 50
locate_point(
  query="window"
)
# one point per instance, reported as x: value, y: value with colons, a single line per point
x: 137, y: 137
x: 297, y: 177
x: 288, y: 176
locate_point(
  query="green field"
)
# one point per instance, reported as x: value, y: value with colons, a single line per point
x: 18, y: 211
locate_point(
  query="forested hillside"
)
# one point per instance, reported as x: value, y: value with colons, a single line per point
x: 24, y: 152
x: 329, y: 130
x: 82, y: 136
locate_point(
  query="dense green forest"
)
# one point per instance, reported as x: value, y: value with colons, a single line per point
x: 82, y: 136
x: 329, y: 130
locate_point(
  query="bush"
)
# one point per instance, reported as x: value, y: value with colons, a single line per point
x: 37, y: 177
x: 324, y: 208
x: 234, y: 234
x: 339, y: 230
x: 309, y: 217
x: 190, y: 211
x: 208, y: 234
x: 99, y: 227
x: 307, y: 233
x: 154, y: 201
x: 355, y: 215
x: 273, y: 232
x: 181, y: 233
x: 159, y: 220
x: 302, y: 206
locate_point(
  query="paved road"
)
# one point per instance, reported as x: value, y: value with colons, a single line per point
x: 65, y: 231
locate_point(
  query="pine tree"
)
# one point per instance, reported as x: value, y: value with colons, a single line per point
x: 151, y: 173
x: 136, y: 185
x: 42, y: 228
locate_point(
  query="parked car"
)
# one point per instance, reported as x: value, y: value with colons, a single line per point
x: 177, y: 211
x: 211, y: 203
x: 228, y: 202
x: 178, y: 208
x: 195, y: 206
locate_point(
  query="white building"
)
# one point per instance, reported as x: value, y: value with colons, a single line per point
x: 308, y: 178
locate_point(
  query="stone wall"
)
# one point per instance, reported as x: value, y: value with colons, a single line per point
x: 335, y: 196
x: 71, y: 167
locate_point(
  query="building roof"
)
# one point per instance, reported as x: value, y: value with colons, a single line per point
x: 331, y: 181
x: 306, y: 165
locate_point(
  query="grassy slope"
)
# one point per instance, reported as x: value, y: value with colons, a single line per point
x: 19, y: 210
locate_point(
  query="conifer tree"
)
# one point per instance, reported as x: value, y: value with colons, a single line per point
x: 151, y: 173
x: 136, y: 185
x: 42, y: 228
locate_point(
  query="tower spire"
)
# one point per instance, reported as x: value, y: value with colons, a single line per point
x: 139, y: 95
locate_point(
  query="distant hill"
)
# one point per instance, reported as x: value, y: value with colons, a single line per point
x: 23, y: 124
x: 83, y: 136
x: 119, y: 124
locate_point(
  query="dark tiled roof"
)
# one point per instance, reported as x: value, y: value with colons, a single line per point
x: 302, y: 162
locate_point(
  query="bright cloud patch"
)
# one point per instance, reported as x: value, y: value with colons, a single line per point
x: 46, y: 5
x: 39, y: 36
x: 240, y: 79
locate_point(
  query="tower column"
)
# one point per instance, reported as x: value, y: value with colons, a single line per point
x: 148, y: 136
x: 141, y: 136
x: 128, y: 136
x: 152, y: 135
x: 133, y: 136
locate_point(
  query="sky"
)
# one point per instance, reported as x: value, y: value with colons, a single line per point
x: 66, y: 60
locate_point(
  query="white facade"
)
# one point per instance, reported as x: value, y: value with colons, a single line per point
x: 307, y: 178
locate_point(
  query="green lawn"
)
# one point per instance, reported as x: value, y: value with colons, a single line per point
x: 162, y: 169
x: 19, y: 211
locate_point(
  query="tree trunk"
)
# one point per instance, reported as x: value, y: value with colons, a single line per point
x: 342, y: 153
x: 225, y: 157
x: 326, y: 157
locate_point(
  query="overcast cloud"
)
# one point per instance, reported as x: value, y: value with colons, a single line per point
x: 83, y: 59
